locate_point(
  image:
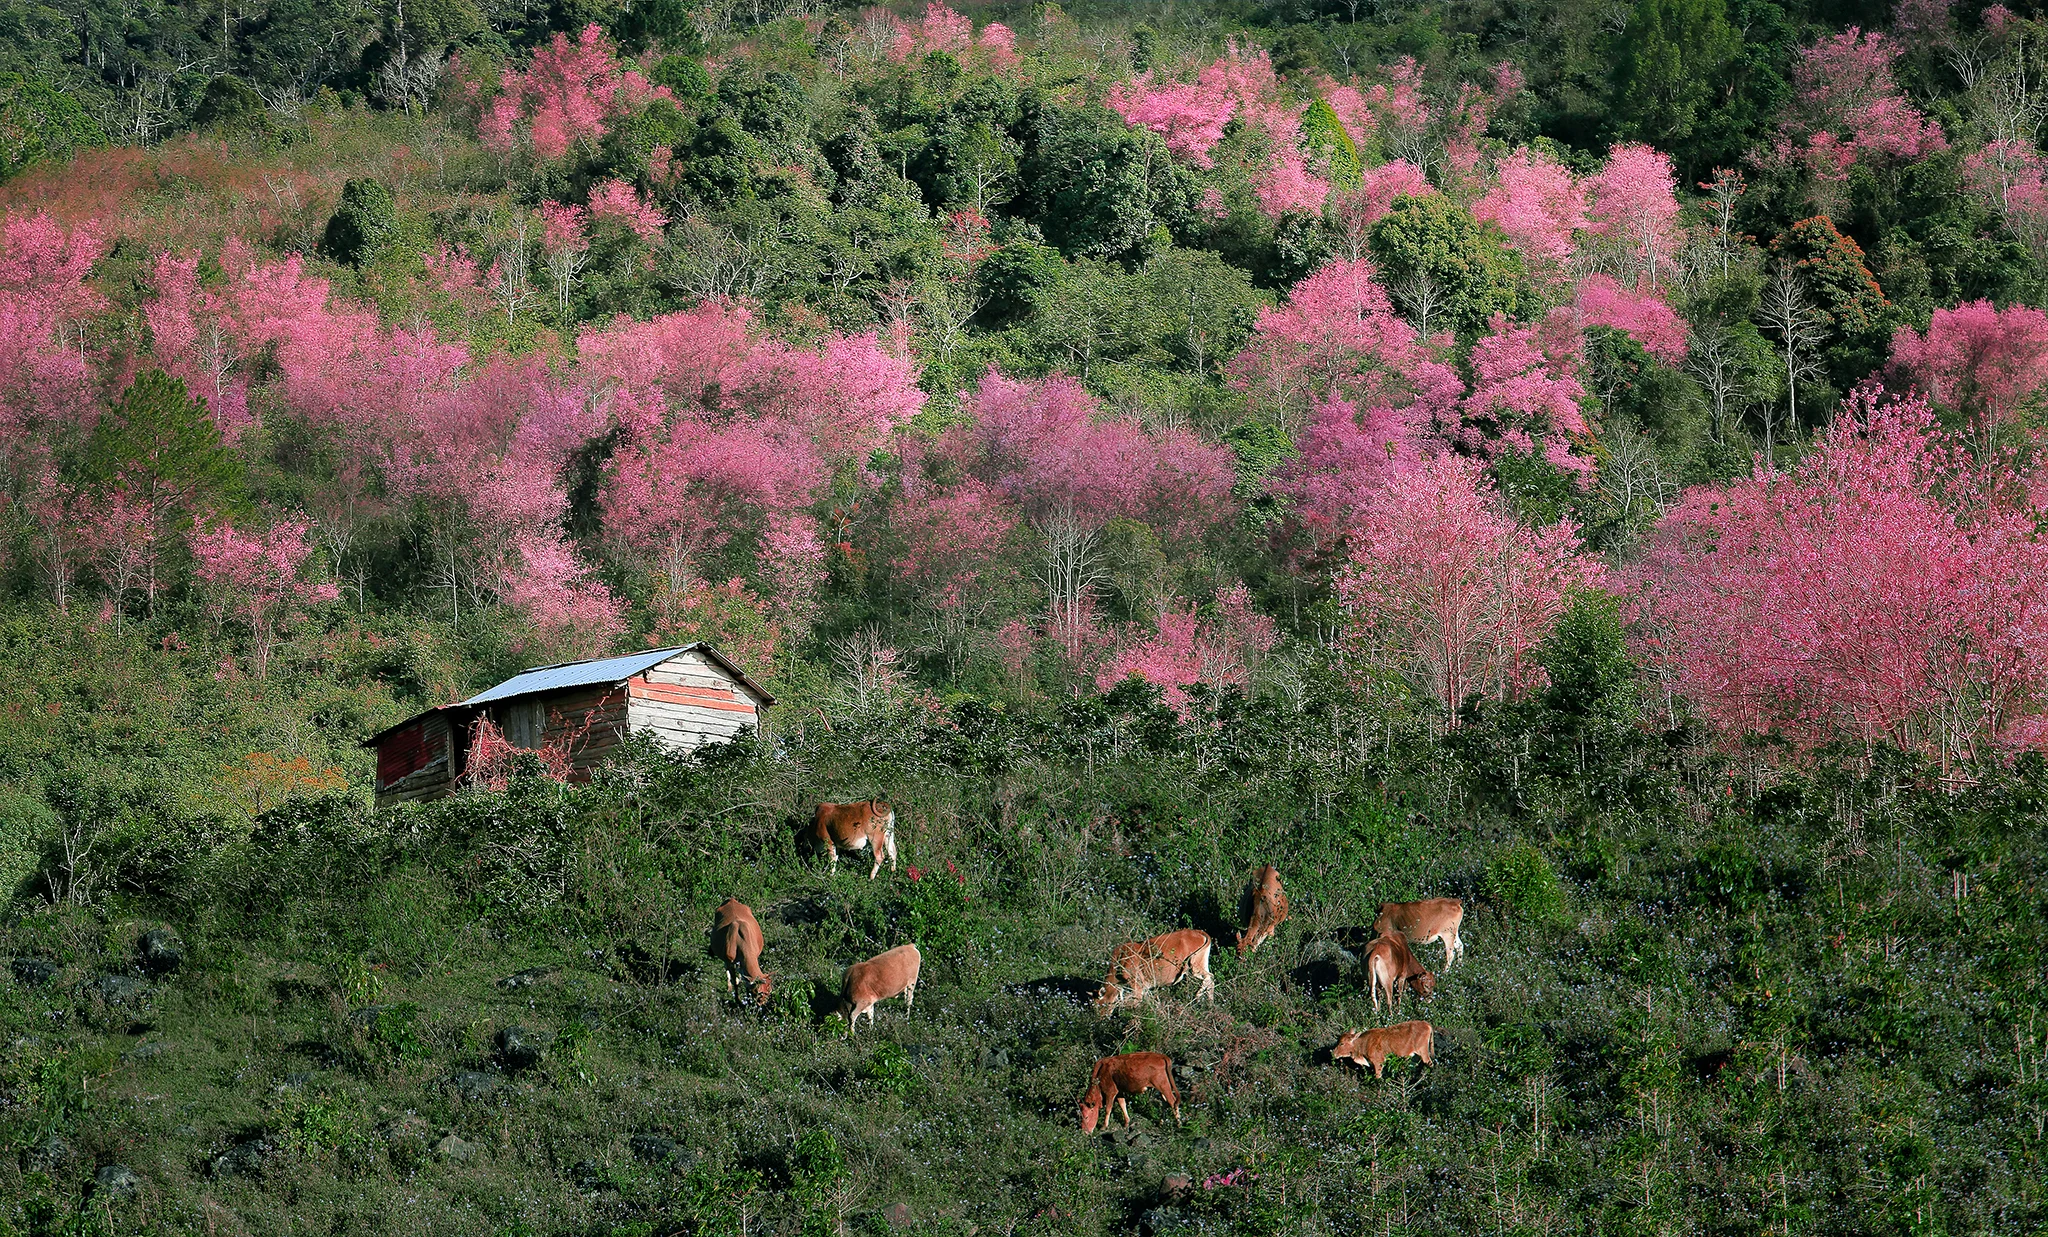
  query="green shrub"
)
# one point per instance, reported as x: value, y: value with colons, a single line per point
x: 1521, y: 879
x: 363, y: 223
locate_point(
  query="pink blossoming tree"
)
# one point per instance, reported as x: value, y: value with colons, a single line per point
x: 1447, y: 591
x: 259, y: 582
x: 570, y: 93
x: 1891, y: 588
x: 1185, y: 649
x: 1981, y: 361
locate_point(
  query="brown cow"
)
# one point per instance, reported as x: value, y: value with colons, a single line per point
x: 1137, y: 967
x: 1116, y: 1079
x: 736, y: 937
x: 853, y: 826
x: 1372, y: 1048
x: 885, y: 975
x: 1264, y: 907
x: 1432, y: 919
x: 1391, y: 966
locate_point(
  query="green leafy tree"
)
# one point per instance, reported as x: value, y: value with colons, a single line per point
x: 38, y: 121
x: 1327, y: 142
x: 1671, y: 68
x: 363, y: 223
x: 1443, y: 267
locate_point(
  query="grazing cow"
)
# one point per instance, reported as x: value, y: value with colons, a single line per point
x: 1372, y: 1048
x: 1432, y: 919
x: 1389, y: 964
x: 1264, y: 908
x: 1116, y: 1079
x: 1137, y: 967
x: 736, y: 937
x: 854, y: 826
x: 885, y: 975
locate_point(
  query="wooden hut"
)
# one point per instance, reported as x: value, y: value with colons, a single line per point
x: 682, y: 696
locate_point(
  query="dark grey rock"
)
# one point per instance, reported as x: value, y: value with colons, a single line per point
x: 995, y: 1058
x: 160, y: 951
x: 115, y: 1181
x: 119, y: 989
x: 589, y: 1176
x: 367, y: 1015
x: 241, y: 1160
x: 897, y: 1214
x: 519, y: 1048
x: 455, y: 1149
x: 524, y: 979
x: 474, y: 1086
x: 33, y: 972
x: 143, y: 1052
x: 652, y: 1148
x: 52, y: 1155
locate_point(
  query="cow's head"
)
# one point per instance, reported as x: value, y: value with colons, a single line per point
x: 1350, y: 1047
x: 1424, y: 985
x: 1091, y: 1109
x: 765, y: 986
x: 1106, y: 1001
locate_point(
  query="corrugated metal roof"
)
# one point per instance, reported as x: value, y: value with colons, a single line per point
x: 575, y: 674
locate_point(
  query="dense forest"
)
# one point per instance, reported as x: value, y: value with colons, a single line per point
x: 1579, y: 458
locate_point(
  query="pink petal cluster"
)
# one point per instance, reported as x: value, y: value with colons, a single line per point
x: 1046, y: 446
x: 1449, y: 590
x: 259, y: 580
x: 1633, y: 205
x: 1893, y: 587
x: 570, y: 92
x: 615, y: 199
x: 1539, y: 204
x: 1641, y: 313
x: 1978, y: 359
x: 45, y: 369
x: 1185, y: 649
x: 1849, y: 107
x: 564, y: 229
x: 1525, y: 398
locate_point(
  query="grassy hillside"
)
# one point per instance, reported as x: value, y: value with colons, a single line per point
x: 1690, y: 1009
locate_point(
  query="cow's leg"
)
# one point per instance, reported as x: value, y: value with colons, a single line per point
x: 890, y: 838
x: 1378, y: 1064
x: 1124, y: 1106
x: 1453, y: 947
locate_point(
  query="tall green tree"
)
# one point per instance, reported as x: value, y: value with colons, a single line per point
x: 1672, y: 64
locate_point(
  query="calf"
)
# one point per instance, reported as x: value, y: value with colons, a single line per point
x: 1264, y: 907
x: 736, y: 938
x: 1116, y: 1079
x: 1391, y: 966
x: 1432, y: 919
x: 855, y: 826
x: 1403, y: 1039
x: 885, y: 975
x: 1137, y: 967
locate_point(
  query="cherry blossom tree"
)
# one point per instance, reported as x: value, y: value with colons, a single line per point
x: 1525, y: 398
x: 570, y: 93
x: 45, y: 362
x: 1338, y: 335
x: 1892, y: 588
x: 998, y: 44
x: 615, y: 199
x: 1541, y: 207
x: 1641, y: 313
x: 1849, y: 109
x: 1633, y: 206
x: 1185, y: 649
x: 194, y: 334
x: 1449, y: 592
x: 259, y: 582
x: 1984, y: 362
x: 541, y: 578
x: 564, y: 240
